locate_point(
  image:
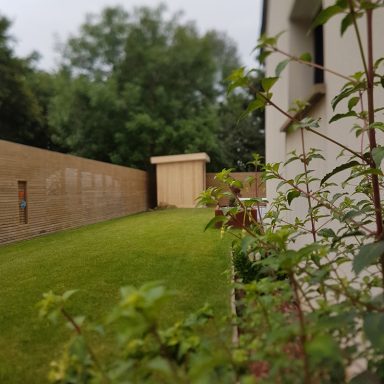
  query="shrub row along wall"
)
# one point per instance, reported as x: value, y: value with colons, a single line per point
x: 257, y: 189
x: 43, y: 191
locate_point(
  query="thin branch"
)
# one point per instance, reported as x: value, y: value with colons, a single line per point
x: 325, y: 204
x: 78, y: 330
x: 313, y: 65
x: 358, y: 35
x: 307, y: 187
x: 269, y: 101
x: 303, y: 330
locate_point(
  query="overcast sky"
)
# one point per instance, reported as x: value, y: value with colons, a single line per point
x: 37, y: 22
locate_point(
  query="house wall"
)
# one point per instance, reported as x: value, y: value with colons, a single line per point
x: 63, y: 191
x: 277, y: 21
x: 341, y: 55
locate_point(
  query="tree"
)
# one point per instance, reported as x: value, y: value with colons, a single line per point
x: 21, y: 117
x: 241, y: 134
x: 136, y: 85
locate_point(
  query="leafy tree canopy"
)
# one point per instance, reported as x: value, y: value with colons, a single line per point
x: 21, y: 116
x: 134, y: 85
x: 130, y: 86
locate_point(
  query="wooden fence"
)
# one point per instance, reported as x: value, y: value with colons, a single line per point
x: 257, y: 189
x: 43, y: 191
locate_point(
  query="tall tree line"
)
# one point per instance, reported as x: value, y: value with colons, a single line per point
x: 130, y: 86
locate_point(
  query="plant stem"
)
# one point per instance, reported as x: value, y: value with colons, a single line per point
x: 358, y: 36
x: 313, y: 65
x: 303, y: 331
x: 313, y: 227
x: 269, y: 101
x: 372, y: 132
x: 372, y: 136
x: 78, y: 330
x: 257, y: 179
x: 338, y: 144
x: 369, y: 72
x: 325, y: 204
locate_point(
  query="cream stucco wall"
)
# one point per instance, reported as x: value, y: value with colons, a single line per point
x: 340, y: 54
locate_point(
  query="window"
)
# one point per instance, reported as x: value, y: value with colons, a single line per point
x: 318, y: 45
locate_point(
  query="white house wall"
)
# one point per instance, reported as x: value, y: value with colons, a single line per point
x: 340, y: 54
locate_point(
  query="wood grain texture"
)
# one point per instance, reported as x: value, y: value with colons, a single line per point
x: 180, y: 183
x: 63, y: 191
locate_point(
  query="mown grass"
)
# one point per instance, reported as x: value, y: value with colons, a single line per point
x: 165, y: 245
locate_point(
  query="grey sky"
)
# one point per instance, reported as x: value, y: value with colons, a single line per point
x: 36, y: 22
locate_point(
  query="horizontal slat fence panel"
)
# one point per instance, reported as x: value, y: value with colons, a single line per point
x: 63, y: 191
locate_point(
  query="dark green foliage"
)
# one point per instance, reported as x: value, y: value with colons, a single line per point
x: 137, y: 85
x: 21, y: 117
x: 241, y: 134
x: 246, y: 270
x: 131, y: 86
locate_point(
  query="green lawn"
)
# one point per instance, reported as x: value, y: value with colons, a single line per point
x: 167, y: 245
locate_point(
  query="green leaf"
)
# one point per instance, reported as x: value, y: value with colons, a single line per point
x: 306, y: 57
x: 377, y: 125
x: 259, y: 103
x: 351, y: 214
x: 378, y: 62
x: 245, y: 243
x: 378, y: 155
x: 342, y: 116
x: 161, y: 365
x: 237, y: 84
x: 263, y: 55
x: 325, y: 15
x: 216, y: 219
x: 353, y: 102
x: 346, y: 23
x: 66, y: 295
x: 370, y: 171
x: 281, y: 66
x: 293, y: 194
x: 265, y: 40
x: 236, y: 74
x: 366, y: 377
x: 338, y: 169
x: 307, y: 122
x: 323, y: 347
x: 368, y: 254
x: 268, y: 82
x: 345, y: 93
x: 342, y: 3
x: 327, y: 232
x: 364, y: 4
x: 373, y: 328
